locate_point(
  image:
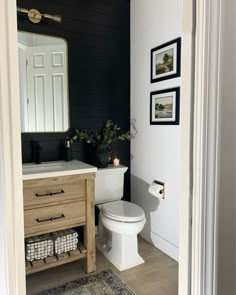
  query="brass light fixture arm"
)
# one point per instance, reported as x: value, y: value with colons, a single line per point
x: 35, y: 16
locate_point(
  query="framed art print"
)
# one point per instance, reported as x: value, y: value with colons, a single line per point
x: 165, y: 61
x: 164, y: 107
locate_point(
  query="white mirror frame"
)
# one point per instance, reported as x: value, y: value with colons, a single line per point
x: 43, y: 75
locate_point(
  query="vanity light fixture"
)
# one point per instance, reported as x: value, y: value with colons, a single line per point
x: 35, y: 16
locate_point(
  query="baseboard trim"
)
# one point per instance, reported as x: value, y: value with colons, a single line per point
x: 162, y: 244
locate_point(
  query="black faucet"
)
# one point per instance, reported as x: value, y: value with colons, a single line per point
x: 36, y: 149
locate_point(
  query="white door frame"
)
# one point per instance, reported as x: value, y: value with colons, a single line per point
x: 205, y: 147
x: 186, y: 121
x: 12, y: 261
x: 12, y: 268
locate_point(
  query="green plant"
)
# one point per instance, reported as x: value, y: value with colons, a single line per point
x: 109, y: 133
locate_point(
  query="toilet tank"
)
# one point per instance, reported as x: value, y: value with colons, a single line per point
x: 109, y: 184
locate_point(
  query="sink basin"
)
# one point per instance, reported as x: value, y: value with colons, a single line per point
x: 55, y: 169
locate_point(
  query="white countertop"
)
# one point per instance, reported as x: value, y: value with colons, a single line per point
x: 55, y: 169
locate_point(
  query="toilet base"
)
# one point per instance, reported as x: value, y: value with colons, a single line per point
x: 121, y: 250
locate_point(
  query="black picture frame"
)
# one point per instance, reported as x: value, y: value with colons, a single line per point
x: 165, y: 61
x: 164, y: 106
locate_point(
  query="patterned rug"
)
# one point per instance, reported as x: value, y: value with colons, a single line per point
x: 103, y: 283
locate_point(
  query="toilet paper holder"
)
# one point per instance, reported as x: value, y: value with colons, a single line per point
x: 157, y: 189
x: 162, y: 184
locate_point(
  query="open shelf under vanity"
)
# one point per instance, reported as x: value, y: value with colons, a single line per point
x: 55, y: 260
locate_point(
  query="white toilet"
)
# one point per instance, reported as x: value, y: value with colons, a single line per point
x: 119, y: 221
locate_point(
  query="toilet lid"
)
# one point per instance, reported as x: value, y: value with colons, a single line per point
x: 123, y: 211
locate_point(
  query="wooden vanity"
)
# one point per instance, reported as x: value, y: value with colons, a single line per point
x: 57, y: 198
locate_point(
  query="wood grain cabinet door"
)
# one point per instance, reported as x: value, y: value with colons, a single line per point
x: 53, y: 218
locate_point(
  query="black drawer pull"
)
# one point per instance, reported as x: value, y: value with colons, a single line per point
x: 51, y: 218
x: 49, y: 194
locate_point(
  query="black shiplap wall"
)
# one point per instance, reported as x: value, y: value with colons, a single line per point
x: 98, y: 36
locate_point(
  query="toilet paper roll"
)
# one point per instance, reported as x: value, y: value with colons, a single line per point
x: 156, y: 189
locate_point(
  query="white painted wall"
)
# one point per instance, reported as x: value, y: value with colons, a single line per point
x: 156, y: 149
x: 227, y: 155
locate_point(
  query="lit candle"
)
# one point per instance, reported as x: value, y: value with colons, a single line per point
x: 116, y: 161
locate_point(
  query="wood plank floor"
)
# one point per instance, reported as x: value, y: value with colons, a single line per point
x: 157, y: 276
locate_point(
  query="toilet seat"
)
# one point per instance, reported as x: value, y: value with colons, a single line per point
x: 123, y: 211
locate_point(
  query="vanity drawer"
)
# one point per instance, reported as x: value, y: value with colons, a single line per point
x: 35, y: 196
x: 52, y: 218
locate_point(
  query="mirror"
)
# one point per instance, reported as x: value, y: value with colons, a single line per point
x: 43, y: 74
